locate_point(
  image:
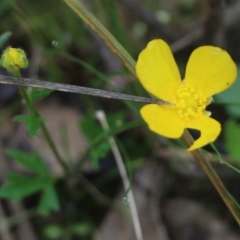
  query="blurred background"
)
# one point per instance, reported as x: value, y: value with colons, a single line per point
x: 174, y: 198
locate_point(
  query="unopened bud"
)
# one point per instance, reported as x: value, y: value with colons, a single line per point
x: 14, y: 59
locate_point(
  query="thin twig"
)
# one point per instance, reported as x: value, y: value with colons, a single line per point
x: 77, y: 89
x: 100, y: 115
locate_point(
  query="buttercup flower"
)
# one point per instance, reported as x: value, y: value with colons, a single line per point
x: 210, y: 70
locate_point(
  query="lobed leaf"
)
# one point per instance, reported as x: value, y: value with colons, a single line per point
x: 31, y: 161
x: 19, y: 186
x: 49, y: 200
x: 39, y: 93
x: 31, y: 121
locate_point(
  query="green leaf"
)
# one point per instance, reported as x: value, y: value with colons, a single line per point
x: 53, y: 232
x: 38, y: 93
x: 98, y: 152
x: 31, y: 121
x: 232, y: 139
x: 4, y: 37
x: 49, y: 200
x: 31, y: 161
x: 91, y: 127
x: 231, y: 98
x: 19, y: 186
x: 116, y: 119
x: 82, y: 229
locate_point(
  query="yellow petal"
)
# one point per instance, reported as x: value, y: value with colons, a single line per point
x: 162, y: 120
x: 211, y: 70
x: 157, y: 70
x: 209, y: 128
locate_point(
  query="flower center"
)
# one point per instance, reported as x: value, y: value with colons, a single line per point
x: 190, y: 103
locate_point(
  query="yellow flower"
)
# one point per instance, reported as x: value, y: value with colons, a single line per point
x: 210, y: 70
x: 13, y: 59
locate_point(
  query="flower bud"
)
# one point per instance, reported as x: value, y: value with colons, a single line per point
x: 14, y: 59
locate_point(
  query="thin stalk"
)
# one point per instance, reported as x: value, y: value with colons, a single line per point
x: 25, y: 97
x: 100, y: 115
x: 45, y: 131
x: 213, y: 177
x: 31, y: 109
x: 53, y: 146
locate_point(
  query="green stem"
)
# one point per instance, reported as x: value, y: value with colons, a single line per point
x: 53, y: 146
x: 24, y: 95
x: 45, y: 131
x: 221, y: 160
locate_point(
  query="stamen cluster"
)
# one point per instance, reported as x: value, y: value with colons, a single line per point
x: 190, y: 103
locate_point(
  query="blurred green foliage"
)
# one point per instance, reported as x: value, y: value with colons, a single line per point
x: 232, y: 139
x: 82, y: 229
x: 4, y: 37
x: 230, y: 98
x: 19, y: 186
x: 91, y: 128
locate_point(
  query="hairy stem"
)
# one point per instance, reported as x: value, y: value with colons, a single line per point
x: 45, y: 131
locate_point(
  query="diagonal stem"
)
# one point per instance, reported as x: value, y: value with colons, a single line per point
x: 45, y: 131
x: 213, y: 177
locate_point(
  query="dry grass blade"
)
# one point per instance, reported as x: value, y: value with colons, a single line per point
x: 76, y: 89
